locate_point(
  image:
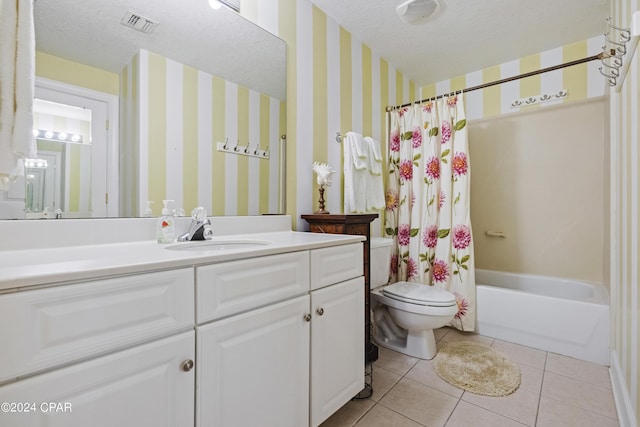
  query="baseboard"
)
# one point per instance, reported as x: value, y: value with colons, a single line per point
x: 624, y: 408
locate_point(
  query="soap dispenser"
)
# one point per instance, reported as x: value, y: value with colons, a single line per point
x: 166, y: 232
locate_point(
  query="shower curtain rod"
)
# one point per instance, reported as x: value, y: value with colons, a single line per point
x: 599, y: 56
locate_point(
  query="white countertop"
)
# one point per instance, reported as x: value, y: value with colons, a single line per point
x: 22, y: 268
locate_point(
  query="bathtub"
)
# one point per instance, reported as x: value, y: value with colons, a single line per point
x: 563, y: 316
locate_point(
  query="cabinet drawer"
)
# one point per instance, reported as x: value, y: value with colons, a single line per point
x: 142, y: 386
x: 336, y: 264
x: 233, y: 287
x: 54, y: 326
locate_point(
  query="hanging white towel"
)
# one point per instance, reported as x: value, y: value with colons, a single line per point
x: 17, y: 76
x: 375, y: 184
x: 355, y: 173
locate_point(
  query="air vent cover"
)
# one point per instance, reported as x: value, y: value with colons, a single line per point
x: 138, y: 22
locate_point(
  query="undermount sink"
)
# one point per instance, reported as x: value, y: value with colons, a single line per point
x: 217, y: 245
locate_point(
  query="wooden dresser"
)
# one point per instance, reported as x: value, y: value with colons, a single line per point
x: 355, y: 224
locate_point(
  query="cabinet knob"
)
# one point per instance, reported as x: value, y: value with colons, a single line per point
x: 187, y: 365
x: 320, y: 311
x: 307, y: 317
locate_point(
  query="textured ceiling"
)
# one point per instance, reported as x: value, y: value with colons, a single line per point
x: 219, y: 42
x: 467, y: 35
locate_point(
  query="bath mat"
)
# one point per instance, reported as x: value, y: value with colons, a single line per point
x: 476, y: 368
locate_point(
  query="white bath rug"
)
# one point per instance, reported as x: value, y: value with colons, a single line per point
x: 476, y: 368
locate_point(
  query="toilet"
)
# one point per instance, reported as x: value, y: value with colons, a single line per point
x: 406, y: 313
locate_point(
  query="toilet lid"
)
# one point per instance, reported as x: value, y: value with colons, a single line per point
x: 418, y: 293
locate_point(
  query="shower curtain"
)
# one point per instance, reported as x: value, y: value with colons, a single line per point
x: 427, y: 201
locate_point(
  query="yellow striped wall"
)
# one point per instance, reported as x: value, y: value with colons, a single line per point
x: 181, y: 113
x: 625, y: 258
x: 581, y: 81
x: 63, y: 70
x: 335, y: 83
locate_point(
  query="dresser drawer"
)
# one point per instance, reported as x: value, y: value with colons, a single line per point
x: 336, y: 264
x: 58, y: 325
x: 233, y: 287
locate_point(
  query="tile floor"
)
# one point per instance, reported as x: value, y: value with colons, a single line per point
x: 555, y: 391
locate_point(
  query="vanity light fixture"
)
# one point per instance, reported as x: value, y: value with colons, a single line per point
x: 57, y: 136
x: 35, y: 163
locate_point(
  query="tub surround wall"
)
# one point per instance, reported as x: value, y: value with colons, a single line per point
x: 539, y: 177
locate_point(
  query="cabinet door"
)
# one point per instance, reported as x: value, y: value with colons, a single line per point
x: 337, y: 347
x: 145, y: 386
x: 253, y: 368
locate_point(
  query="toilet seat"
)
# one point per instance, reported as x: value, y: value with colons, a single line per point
x: 419, y: 294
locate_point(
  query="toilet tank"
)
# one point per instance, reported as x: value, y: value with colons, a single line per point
x: 380, y: 260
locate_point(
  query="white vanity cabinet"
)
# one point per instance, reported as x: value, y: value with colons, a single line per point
x: 109, y: 352
x: 290, y: 363
x: 147, y: 385
x: 337, y: 347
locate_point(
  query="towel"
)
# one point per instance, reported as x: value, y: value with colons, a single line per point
x: 355, y: 168
x: 17, y: 76
x: 374, y: 184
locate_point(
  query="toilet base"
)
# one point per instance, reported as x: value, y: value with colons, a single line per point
x: 420, y: 344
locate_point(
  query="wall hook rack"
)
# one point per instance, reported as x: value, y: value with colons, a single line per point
x: 251, y: 150
x: 619, y: 41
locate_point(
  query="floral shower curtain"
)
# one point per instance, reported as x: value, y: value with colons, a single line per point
x: 428, y: 206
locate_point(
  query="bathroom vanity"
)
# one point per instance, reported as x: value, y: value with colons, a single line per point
x: 259, y: 326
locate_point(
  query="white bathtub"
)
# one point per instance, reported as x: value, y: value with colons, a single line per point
x: 559, y: 315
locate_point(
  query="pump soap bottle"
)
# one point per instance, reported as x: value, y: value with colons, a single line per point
x: 166, y: 232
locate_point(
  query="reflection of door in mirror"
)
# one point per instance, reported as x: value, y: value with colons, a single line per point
x: 74, y: 126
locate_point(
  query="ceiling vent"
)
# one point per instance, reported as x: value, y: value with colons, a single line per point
x: 138, y: 22
x: 417, y: 11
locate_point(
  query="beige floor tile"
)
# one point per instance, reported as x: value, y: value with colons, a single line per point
x: 522, y: 354
x: 456, y: 335
x: 580, y: 394
x: 394, y: 361
x: 554, y: 413
x: 466, y: 415
x: 531, y: 378
x: 383, y: 380
x: 380, y: 416
x: 349, y: 413
x: 424, y: 373
x: 440, y: 332
x: 579, y: 369
x: 419, y: 402
x: 521, y: 405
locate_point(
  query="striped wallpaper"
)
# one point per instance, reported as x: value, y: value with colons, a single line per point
x: 335, y: 83
x: 581, y: 81
x: 177, y: 114
x: 624, y: 117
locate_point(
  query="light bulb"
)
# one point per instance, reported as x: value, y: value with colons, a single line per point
x: 48, y: 134
x: 36, y: 133
x: 62, y: 136
x: 215, y: 4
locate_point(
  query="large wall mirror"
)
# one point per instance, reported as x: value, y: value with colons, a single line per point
x: 176, y: 51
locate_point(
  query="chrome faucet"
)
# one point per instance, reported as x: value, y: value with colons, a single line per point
x: 200, y: 227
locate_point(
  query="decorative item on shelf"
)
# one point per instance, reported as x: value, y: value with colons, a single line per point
x: 251, y: 150
x: 323, y: 178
